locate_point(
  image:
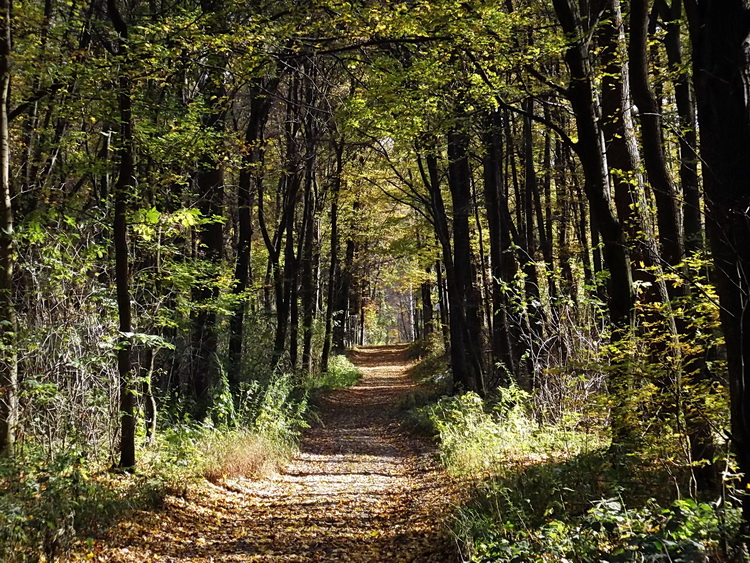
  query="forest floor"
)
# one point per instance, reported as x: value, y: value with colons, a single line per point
x: 362, y: 489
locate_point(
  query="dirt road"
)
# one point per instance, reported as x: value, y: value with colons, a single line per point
x: 361, y: 489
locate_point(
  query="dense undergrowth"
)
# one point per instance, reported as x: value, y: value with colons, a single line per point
x: 551, y: 488
x: 48, y: 503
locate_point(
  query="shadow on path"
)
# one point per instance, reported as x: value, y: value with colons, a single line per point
x: 361, y: 489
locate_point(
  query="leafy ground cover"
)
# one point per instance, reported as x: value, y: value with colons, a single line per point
x: 361, y: 488
x: 553, y: 491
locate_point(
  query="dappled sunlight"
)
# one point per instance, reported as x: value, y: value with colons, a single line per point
x: 360, y: 489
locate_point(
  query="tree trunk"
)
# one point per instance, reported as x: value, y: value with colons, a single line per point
x: 9, y: 359
x: 125, y: 183
x: 503, y: 361
x: 720, y: 36
x: 591, y: 151
x: 333, y: 270
x: 665, y: 194
x: 210, y: 185
x: 467, y: 295
x: 688, y: 138
x: 251, y: 175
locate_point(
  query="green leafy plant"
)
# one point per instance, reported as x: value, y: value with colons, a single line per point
x: 341, y: 373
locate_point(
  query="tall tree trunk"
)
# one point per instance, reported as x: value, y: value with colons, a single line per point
x: 428, y: 313
x: 125, y: 183
x: 665, y: 194
x: 9, y: 359
x: 688, y: 138
x: 333, y: 269
x: 467, y: 294
x: 534, y: 311
x: 310, y: 242
x: 443, y: 305
x: 454, y: 319
x: 591, y: 151
x: 251, y: 175
x: 503, y: 361
x: 210, y: 185
x: 720, y: 34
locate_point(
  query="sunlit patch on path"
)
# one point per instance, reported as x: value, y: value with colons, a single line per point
x: 362, y: 489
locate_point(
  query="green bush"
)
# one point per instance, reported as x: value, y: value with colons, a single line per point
x: 47, y: 505
x: 341, y: 374
x: 553, y: 493
x: 686, y: 531
x: 44, y: 505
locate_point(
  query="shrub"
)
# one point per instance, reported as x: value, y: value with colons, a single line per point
x: 45, y: 505
x: 341, y: 373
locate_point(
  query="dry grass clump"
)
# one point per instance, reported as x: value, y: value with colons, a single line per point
x: 240, y: 453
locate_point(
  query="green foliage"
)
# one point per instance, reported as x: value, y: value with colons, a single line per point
x: 476, y: 437
x: 684, y: 531
x: 46, y: 505
x: 539, y: 488
x: 341, y: 373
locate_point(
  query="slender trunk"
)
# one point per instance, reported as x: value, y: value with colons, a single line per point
x: 454, y: 321
x: 503, y: 361
x: 665, y: 194
x: 9, y: 359
x: 443, y: 305
x: 125, y: 183
x: 286, y: 277
x: 591, y: 151
x: 251, y: 173
x: 544, y: 215
x: 534, y: 311
x: 428, y: 312
x: 688, y: 137
x: 333, y: 270
x: 310, y: 242
x: 467, y: 297
x: 210, y: 185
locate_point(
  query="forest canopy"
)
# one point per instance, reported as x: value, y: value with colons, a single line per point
x: 200, y: 198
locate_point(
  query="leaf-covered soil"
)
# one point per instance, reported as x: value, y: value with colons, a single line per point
x: 361, y: 489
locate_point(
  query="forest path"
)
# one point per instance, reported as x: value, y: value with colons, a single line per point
x: 361, y: 489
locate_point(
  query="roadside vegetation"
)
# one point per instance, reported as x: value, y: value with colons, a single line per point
x: 545, y: 483
x: 47, y: 504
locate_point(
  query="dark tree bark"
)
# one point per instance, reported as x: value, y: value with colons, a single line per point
x: 309, y: 232
x: 210, y: 237
x: 333, y: 269
x: 504, y: 364
x: 688, y: 138
x: 453, y: 321
x: 125, y: 183
x: 593, y: 159
x: 720, y: 34
x: 534, y: 313
x: 592, y: 154
x: 249, y: 180
x: 443, y: 305
x: 665, y: 194
x: 467, y: 297
x: 428, y: 313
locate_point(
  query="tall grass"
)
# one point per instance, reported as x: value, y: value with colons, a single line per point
x: 47, y: 504
x: 552, y: 491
